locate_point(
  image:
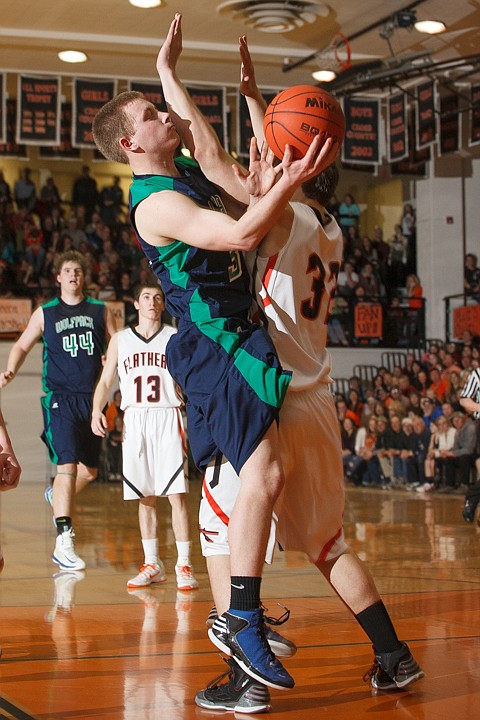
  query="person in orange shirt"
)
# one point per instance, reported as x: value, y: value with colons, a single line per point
x: 439, y: 384
x: 113, y: 411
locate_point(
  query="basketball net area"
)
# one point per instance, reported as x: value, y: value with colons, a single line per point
x: 333, y: 59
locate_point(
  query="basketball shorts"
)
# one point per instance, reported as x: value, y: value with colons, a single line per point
x: 309, y: 512
x: 67, y: 432
x: 234, y: 386
x: 154, y: 453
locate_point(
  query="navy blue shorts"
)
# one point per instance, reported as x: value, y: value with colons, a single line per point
x: 67, y: 432
x: 234, y: 386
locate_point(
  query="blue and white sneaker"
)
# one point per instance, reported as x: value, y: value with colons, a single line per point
x: 240, y: 634
x: 64, y: 553
x: 49, y: 495
x: 279, y: 644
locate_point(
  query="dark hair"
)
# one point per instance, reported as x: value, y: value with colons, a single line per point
x: 322, y: 186
x: 142, y: 286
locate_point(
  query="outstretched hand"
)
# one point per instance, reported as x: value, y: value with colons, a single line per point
x: 172, y: 47
x: 262, y: 174
x: 248, y: 84
x: 321, y: 153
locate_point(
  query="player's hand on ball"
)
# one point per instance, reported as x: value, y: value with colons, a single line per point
x: 321, y: 153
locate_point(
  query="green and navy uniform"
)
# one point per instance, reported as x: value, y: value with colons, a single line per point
x: 227, y: 366
x: 74, y: 340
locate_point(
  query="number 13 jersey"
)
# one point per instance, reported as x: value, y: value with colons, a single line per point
x: 142, y: 370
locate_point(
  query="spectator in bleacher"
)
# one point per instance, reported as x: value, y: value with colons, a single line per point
x: 421, y: 382
x: 450, y: 366
x: 34, y: 249
x: 49, y: 197
x: 348, y: 213
x: 442, y: 439
x: 437, y: 383
x: 452, y: 395
x: 354, y: 405
x: 354, y: 383
x: 348, y: 433
x: 5, y: 195
x: 471, y: 276
x: 77, y: 234
x: 369, y: 251
x: 461, y: 457
x: 85, y: 192
x: 406, y: 467
x: 336, y: 332
x: 111, y: 201
x: 409, y: 229
x: 125, y: 293
x: 383, y: 252
x: 369, y: 282
x: 25, y: 191
x: 398, y: 258
x: 414, y: 292
x: 342, y: 408
x: 422, y: 442
x: 367, y: 472
x: 390, y: 444
x: 114, y: 410
x: 431, y: 410
x: 114, y: 438
x: 347, y: 280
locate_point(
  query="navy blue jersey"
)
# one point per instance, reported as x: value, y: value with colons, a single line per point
x: 200, y: 286
x: 74, y: 340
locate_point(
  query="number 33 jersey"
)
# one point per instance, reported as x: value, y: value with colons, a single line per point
x: 74, y: 341
x: 295, y: 289
x: 142, y: 370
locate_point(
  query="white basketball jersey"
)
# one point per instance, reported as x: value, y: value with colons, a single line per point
x: 142, y: 370
x: 297, y: 304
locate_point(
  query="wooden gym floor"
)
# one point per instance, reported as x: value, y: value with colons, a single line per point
x: 80, y: 646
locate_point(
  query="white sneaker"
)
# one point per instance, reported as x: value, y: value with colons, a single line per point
x: 185, y: 578
x: 149, y: 573
x: 64, y: 553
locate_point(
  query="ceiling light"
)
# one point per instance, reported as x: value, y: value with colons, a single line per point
x: 274, y: 16
x: 145, y: 3
x: 72, y: 56
x: 324, y: 75
x: 432, y: 27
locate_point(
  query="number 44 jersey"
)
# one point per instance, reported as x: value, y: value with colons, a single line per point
x: 294, y: 291
x: 142, y: 370
x: 74, y: 341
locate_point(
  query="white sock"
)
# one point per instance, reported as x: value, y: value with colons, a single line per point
x: 150, y: 548
x: 183, y: 550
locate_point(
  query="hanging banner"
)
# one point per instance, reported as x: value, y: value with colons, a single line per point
x: 38, y: 110
x: 416, y: 162
x: 244, y: 124
x: 361, y: 144
x: 426, y: 116
x: 153, y: 93
x: 3, y: 108
x: 397, y: 135
x: 64, y: 149
x: 449, y: 124
x: 88, y: 97
x: 10, y: 148
x: 475, y: 115
x: 211, y: 102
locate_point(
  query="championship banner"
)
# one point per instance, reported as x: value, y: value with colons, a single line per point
x: 397, y: 133
x: 449, y: 124
x: 368, y: 321
x: 416, y: 161
x: 211, y: 103
x: 38, y: 110
x: 244, y: 124
x: 153, y: 93
x: 466, y: 318
x: 10, y: 148
x: 88, y: 97
x: 475, y: 115
x: 3, y: 109
x: 14, y: 315
x: 362, y: 139
x: 64, y: 149
x: 426, y: 116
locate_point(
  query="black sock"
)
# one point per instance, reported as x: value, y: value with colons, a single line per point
x: 245, y: 592
x: 63, y: 523
x: 376, y: 622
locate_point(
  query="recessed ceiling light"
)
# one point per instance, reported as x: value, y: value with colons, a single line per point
x: 432, y: 27
x: 72, y: 56
x: 145, y: 3
x: 324, y: 75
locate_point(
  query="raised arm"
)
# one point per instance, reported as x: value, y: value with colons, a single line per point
x: 102, y: 391
x: 194, y: 130
x: 249, y: 89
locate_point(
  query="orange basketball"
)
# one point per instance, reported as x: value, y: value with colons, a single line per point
x: 297, y: 115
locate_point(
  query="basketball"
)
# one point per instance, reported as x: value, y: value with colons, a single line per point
x: 300, y: 113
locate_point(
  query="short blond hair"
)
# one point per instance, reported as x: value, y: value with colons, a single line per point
x: 112, y: 122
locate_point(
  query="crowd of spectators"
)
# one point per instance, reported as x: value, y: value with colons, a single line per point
x: 406, y: 429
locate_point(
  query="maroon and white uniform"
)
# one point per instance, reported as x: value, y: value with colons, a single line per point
x: 154, y: 447
x: 294, y: 290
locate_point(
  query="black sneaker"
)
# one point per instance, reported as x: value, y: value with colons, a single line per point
x: 279, y: 644
x: 240, y: 634
x: 240, y: 693
x: 469, y: 508
x: 394, y: 670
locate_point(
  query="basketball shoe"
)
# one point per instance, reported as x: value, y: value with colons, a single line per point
x: 64, y: 553
x: 240, y: 693
x: 394, y: 670
x: 49, y: 495
x: 279, y: 644
x: 185, y: 579
x: 149, y: 573
x: 240, y: 633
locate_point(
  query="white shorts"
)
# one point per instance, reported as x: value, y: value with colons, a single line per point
x: 154, y: 453
x: 310, y: 509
